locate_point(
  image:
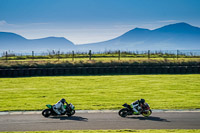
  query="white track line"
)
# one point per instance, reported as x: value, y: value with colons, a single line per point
x: 96, y: 111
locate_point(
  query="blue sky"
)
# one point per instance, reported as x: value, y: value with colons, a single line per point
x: 87, y: 21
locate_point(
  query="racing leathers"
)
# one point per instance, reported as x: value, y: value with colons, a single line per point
x: 136, y: 106
x: 59, y: 107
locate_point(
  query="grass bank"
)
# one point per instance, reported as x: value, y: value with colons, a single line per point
x: 64, y: 63
x: 101, y: 92
x: 116, y: 131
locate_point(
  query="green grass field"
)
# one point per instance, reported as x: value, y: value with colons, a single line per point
x: 116, y: 131
x: 101, y: 92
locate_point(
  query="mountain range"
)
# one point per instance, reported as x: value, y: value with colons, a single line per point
x: 180, y: 36
x: 17, y: 43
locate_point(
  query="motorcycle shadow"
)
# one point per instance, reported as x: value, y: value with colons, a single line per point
x: 74, y: 118
x: 151, y: 118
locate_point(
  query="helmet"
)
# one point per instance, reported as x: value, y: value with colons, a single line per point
x: 63, y: 100
x: 142, y: 101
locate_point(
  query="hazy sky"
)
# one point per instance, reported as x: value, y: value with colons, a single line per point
x: 87, y: 21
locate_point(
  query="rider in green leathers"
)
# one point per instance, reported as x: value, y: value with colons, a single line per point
x: 59, y: 106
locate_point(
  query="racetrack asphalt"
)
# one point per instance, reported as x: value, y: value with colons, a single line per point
x: 100, y: 120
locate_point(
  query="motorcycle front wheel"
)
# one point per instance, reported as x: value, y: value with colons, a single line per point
x: 46, y: 112
x: 123, y: 112
x: 71, y: 113
x: 147, y: 114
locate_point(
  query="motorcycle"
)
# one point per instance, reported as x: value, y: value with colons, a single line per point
x: 145, y: 110
x: 69, y: 110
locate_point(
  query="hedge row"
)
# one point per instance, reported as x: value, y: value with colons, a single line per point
x: 100, y: 71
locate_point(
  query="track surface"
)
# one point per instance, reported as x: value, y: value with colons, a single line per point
x: 83, y: 121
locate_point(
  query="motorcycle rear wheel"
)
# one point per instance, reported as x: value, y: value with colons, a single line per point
x: 123, y: 112
x: 46, y: 112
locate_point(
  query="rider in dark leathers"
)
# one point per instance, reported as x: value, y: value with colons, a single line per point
x: 137, y: 106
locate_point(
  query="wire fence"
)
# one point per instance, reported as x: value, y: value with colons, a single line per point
x: 119, y: 55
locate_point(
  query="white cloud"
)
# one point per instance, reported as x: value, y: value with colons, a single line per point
x: 167, y: 21
x: 3, y: 22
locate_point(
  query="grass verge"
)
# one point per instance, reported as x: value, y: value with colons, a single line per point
x: 105, y: 62
x: 101, y: 92
x: 117, y: 131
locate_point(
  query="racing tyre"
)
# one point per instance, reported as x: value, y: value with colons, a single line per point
x: 46, y: 112
x: 73, y: 112
x: 123, y: 112
x: 147, y: 114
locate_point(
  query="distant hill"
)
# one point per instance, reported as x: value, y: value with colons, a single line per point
x: 180, y: 36
x: 17, y: 43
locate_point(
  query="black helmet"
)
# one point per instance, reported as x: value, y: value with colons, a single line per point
x: 63, y: 100
x: 142, y: 101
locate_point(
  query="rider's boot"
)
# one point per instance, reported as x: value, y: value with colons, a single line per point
x: 63, y: 110
x: 136, y: 113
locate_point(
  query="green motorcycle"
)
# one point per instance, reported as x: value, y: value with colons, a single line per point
x: 69, y: 110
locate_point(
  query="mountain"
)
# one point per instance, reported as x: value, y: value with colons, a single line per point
x: 180, y: 36
x: 17, y: 43
x: 12, y: 37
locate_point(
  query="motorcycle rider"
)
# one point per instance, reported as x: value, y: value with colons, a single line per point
x: 137, y: 105
x: 59, y: 106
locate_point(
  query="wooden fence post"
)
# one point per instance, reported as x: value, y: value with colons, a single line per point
x: 149, y: 54
x: 6, y: 56
x: 32, y: 55
x: 119, y: 55
x: 72, y: 55
x: 177, y: 53
x: 58, y: 55
x: 90, y: 54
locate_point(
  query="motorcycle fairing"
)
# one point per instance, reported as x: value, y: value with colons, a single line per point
x: 49, y: 106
